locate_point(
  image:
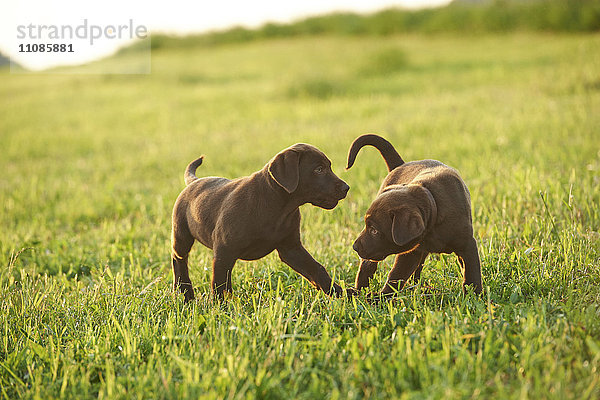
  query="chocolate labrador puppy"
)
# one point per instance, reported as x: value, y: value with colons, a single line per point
x: 422, y: 207
x: 247, y: 218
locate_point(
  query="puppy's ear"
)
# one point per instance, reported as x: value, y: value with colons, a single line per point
x: 407, y: 225
x: 285, y: 169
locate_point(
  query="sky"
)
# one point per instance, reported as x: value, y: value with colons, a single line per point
x: 25, y: 22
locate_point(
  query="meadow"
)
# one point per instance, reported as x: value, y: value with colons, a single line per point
x: 91, y: 166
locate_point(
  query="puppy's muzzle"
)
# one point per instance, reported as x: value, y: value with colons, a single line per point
x: 342, y: 188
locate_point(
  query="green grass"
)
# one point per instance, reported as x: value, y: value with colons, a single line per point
x: 92, y: 164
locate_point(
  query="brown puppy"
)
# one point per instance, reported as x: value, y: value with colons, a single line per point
x: 247, y: 218
x: 422, y: 207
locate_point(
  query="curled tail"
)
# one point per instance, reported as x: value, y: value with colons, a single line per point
x: 190, y: 172
x: 389, y: 154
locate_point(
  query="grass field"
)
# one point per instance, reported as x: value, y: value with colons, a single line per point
x: 91, y: 166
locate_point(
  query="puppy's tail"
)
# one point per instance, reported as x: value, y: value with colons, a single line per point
x: 389, y: 154
x: 190, y: 172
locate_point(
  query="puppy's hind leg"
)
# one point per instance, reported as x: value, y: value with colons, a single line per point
x: 222, y: 267
x: 182, y: 242
x: 471, y: 266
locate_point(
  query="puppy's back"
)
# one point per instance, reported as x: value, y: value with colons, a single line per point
x: 417, y: 172
x: 445, y: 184
x: 207, y: 192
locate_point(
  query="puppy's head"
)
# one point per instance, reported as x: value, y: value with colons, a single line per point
x: 305, y: 172
x: 396, y: 222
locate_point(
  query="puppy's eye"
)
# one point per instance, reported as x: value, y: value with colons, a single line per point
x: 373, y: 231
x: 319, y: 170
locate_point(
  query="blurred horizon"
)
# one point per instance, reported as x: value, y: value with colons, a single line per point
x: 181, y: 18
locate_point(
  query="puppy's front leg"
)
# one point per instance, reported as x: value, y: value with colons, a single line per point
x: 365, y: 273
x: 403, y: 268
x: 471, y: 267
x: 299, y: 259
x: 221, y: 273
x: 416, y: 276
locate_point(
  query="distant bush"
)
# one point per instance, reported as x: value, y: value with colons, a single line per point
x: 4, y: 60
x: 385, y: 62
x: 458, y: 17
x: 319, y: 88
